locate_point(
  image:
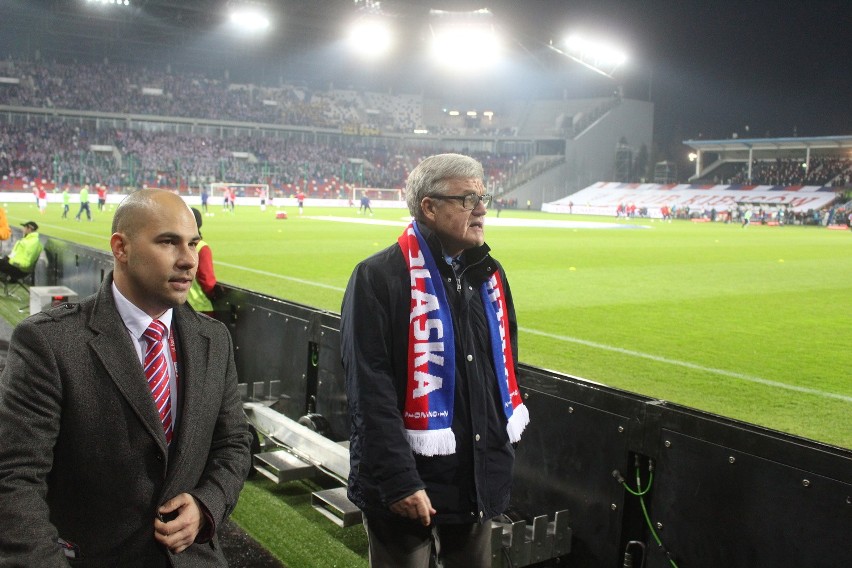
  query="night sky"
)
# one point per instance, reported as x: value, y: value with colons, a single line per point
x: 712, y: 68
x: 715, y: 68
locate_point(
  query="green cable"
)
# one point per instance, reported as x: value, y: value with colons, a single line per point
x: 639, y: 491
x: 648, y: 520
x: 641, y: 494
x: 653, y: 532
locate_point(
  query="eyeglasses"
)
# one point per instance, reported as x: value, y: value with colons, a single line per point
x: 469, y: 201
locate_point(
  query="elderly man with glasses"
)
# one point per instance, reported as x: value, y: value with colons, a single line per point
x: 429, y: 345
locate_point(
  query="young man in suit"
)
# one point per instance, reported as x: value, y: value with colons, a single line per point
x: 123, y: 447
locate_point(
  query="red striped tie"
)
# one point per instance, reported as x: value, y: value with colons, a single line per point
x: 157, y: 373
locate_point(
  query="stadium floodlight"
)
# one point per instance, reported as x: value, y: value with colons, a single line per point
x: 464, y: 41
x: 113, y: 2
x: 597, y: 55
x: 249, y: 17
x: 371, y: 37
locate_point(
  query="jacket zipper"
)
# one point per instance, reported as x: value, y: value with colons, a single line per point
x: 460, y: 274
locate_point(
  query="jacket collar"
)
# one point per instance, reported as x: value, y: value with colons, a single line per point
x: 477, y: 262
x: 112, y: 345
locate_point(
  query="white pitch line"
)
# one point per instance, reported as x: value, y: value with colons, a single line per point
x: 655, y: 358
x: 281, y: 276
x: 658, y: 359
x: 490, y: 222
x: 52, y: 226
x: 359, y: 220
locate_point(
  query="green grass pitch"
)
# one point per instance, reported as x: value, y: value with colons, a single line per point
x: 748, y: 323
x: 752, y: 324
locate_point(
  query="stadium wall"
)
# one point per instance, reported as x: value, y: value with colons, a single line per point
x: 590, y: 155
x: 550, y: 185
x: 715, y: 491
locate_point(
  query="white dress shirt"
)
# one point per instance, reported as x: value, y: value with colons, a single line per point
x: 136, y: 321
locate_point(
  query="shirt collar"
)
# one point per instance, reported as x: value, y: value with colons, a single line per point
x: 135, y: 320
x: 428, y: 237
x: 451, y: 260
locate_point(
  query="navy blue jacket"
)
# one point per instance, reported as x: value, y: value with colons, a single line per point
x: 471, y: 485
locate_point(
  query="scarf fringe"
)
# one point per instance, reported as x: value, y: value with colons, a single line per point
x: 428, y: 406
x: 517, y: 423
x: 432, y: 442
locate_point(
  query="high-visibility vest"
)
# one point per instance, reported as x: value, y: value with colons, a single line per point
x: 26, y: 251
x: 196, y: 297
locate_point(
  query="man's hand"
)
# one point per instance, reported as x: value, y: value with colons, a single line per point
x: 415, y: 506
x: 180, y: 532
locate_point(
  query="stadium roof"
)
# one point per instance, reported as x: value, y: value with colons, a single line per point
x: 770, y: 144
x: 712, y: 153
x: 692, y: 83
x: 296, y: 22
x: 304, y: 43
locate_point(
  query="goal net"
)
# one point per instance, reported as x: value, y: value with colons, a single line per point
x: 218, y: 189
x: 376, y: 194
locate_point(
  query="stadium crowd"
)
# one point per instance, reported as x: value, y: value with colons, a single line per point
x: 820, y: 171
x: 117, y: 88
x: 60, y: 153
x: 57, y: 153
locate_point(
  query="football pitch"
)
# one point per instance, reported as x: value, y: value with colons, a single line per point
x: 752, y: 324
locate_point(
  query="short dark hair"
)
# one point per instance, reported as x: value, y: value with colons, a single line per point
x: 197, y: 214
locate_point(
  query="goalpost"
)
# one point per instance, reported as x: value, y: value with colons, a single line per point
x: 375, y: 194
x: 217, y: 189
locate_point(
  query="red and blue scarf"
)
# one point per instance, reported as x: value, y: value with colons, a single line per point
x: 430, y: 390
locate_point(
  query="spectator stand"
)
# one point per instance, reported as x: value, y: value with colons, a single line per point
x: 821, y: 161
x: 121, y: 110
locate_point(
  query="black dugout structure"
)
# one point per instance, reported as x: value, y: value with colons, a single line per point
x: 644, y: 482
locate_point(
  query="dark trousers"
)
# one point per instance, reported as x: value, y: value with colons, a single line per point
x: 12, y: 271
x: 84, y: 207
x: 405, y: 544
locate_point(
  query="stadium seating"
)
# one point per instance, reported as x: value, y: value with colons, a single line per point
x: 56, y: 153
x: 822, y: 171
x: 62, y: 152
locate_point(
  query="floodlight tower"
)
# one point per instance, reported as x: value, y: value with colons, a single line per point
x: 464, y: 41
x: 370, y: 35
x: 249, y: 16
x: 112, y: 2
x: 596, y: 55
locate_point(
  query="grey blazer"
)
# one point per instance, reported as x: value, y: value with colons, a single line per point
x: 82, y: 450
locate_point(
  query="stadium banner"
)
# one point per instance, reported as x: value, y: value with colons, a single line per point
x: 603, y: 198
